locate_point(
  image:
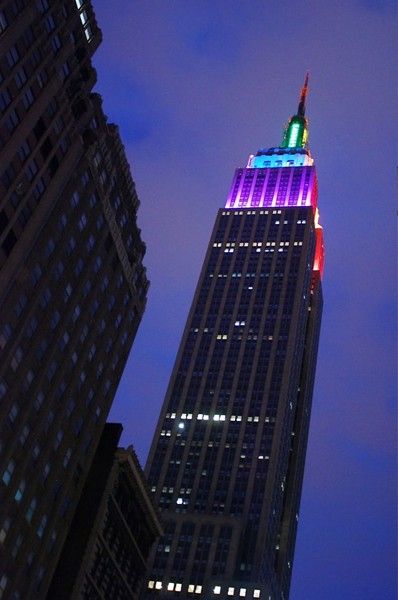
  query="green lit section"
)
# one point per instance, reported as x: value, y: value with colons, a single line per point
x: 293, y: 135
x: 296, y: 133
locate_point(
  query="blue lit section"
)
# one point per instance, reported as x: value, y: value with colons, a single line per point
x: 274, y: 157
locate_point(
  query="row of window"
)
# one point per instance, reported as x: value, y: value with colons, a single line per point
x: 197, y: 589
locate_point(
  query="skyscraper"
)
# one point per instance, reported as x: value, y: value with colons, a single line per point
x: 227, y: 459
x: 72, y: 284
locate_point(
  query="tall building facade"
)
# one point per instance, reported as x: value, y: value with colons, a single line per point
x: 227, y: 459
x: 115, y: 525
x: 72, y: 284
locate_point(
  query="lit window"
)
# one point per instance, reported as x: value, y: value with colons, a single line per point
x: 158, y: 585
x: 151, y: 585
x: 231, y: 591
x: 191, y: 588
x: 83, y: 17
x: 256, y: 594
x: 198, y: 589
x: 178, y: 587
x: 217, y: 589
x: 170, y: 587
x: 88, y: 33
x: 242, y: 592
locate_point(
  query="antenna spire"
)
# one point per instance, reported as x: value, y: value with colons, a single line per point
x: 296, y: 132
x: 303, y: 97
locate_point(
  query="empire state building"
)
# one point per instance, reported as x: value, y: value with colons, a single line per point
x: 227, y: 459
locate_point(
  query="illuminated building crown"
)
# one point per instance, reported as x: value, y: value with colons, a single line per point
x: 284, y: 176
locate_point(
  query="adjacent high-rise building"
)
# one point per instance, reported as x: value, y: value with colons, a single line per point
x: 227, y: 459
x: 115, y: 524
x: 72, y: 284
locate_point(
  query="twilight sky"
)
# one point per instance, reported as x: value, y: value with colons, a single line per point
x: 196, y: 86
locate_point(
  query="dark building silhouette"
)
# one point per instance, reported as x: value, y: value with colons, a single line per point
x: 114, y: 527
x: 227, y: 459
x: 72, y: 284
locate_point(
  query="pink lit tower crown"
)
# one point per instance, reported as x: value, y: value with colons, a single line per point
x: 282, y: 177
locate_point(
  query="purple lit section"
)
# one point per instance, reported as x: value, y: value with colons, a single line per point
x: 273, y: 187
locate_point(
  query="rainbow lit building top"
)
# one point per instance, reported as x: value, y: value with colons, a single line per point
x: 284, y: 176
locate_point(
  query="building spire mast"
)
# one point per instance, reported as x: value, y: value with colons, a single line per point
x: 296, y: 132
x: 303, y: 97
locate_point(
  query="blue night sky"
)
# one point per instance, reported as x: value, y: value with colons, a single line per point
x: 198, y: 86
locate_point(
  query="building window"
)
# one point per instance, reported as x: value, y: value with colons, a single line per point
x: 3, y: 22
x: 5, y: 335
x: 42, y: 526
x: 39, y: 400
x: 67, y: 457
x: 3, y: 389
x: 32, y: 170
x: 82, y: 222
x: 12, y: 120
x: 16, y: 360
x: 8, y: 472
x: 3, y: 584
x: 28, y: 98
x: 5, y: 99
x: 4, y: 530
x: 12, y: 56
x: 88, y: 33
x: 49, y: 24
x: 12, y: 415
x: 36, y: 274
x: 20, y: 491
x: 58, y: 439
x: 17, y: 545
x: 24, y: 434
x: 56, y: 43
x: 31, y: 509
x: 43, y: 6
x: 46, y: 471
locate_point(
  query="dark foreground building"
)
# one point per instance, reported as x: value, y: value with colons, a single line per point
x: 226, y: 464
x: 115, y: 524
x: 72, y: 283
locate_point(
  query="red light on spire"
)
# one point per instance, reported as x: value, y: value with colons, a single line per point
x: 303, y: 97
